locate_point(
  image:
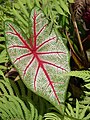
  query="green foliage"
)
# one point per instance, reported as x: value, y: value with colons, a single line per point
x: 12, y: 107
x: 3, y: 54
x: 17, y: 102
x: 55, y: 11
x: 71, y: 113
x: 15, y: 94
x: 76, y: 113
x: 84, y: 74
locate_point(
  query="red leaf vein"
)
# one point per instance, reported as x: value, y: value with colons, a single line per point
x: 50, y: 83
x: 42, y: 53
x: 41, y: 30
x: 22, y: 56
x: 20, y: 37
x: 28, y: 65
x: 17, y: 46
x: 36, y: 77
x: 46, y: 42
x: 52, y: 64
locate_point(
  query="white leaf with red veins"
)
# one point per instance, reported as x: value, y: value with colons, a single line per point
x: 41, y: 59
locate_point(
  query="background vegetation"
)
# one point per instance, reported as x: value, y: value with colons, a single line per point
x: 19, y: 103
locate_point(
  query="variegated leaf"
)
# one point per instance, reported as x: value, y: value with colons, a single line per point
x: 40, y: 59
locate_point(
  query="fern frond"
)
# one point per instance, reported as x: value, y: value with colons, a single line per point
x: 71, y: 113
x: 7, y: 87
x: 82, y: 114
x: 17, y: 102
x: 86, y: 101
x: 77, y: 113
x: 11, y: 104
x: 87, y: 117
x: 15, y: 108
x: 52, y: 116
x: 84, y: 74
x: 87, y: 85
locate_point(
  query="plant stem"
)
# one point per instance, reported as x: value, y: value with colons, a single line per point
x: 78, y: 36
x: 76, y: 58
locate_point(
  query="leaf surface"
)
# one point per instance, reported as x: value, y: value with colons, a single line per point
x: 40, y: 59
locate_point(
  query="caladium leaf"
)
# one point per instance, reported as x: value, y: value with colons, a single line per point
x: 39, y: 59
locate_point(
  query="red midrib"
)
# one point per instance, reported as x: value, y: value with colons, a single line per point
x: 40, y: 62
x: 35, y: 36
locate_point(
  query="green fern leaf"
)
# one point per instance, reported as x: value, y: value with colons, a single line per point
x: 84, y: 74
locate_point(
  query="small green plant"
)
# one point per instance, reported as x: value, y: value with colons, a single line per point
x: 35, y: 33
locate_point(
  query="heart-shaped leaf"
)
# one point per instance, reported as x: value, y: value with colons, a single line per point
x: 39, y: 59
